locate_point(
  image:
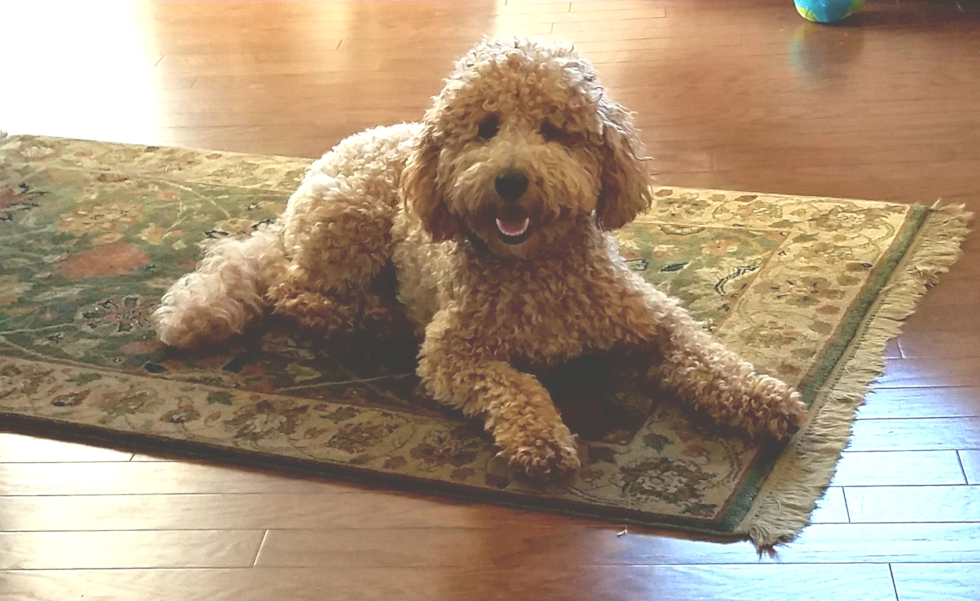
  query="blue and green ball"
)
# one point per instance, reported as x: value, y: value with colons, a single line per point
x: 827, y: 11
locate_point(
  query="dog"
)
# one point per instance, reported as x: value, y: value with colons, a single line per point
x: 495, y: 215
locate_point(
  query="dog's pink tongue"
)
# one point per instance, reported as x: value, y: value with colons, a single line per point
x: 514, y: 227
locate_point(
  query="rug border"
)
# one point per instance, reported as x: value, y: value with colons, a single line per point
x: 801, y: 477
x: 815, y: 385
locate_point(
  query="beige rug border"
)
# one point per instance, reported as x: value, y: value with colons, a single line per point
x: 802, y: 475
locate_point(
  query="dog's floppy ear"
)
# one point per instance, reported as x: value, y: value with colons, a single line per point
x: 420, y: 187
x: 625, y: 182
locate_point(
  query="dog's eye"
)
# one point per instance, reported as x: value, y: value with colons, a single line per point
x: 489, y: 127
x: 550, y: 131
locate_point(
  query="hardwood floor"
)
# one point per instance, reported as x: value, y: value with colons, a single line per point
x: 735, y: 95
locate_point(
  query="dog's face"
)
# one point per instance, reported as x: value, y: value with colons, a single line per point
x: 520, y: 147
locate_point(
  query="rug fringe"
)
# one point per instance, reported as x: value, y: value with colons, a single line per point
x: 798, y: 479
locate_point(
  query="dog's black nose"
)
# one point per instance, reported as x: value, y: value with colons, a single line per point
x: 510, y: 184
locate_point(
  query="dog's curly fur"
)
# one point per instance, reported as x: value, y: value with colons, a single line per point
x: 496, y: 287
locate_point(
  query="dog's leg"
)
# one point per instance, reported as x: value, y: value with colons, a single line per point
x: 223, y: 295
x: 515, y: 407
x: 715, y: 380
x: 338, y: 239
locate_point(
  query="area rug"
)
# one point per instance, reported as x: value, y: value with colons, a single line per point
x: 91, y: 235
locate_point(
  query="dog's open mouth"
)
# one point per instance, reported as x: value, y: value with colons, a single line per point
x: 513, y: 225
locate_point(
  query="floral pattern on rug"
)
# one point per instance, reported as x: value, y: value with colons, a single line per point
x: 92, y: 234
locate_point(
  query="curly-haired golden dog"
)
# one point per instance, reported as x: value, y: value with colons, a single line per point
x: 494, y: 213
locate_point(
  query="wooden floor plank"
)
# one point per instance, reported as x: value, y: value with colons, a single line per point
x: 936, y: 434
x: 937, y: 581
x: 264, y: 511
x: 920, y: 402
x: 959, y: 293
x: 819, y: 543
x: 831, y: 508
x: 114, y: 550
x: 935, y: 343
x: 971, y: 465
x: 148, y: 478
x: 17, y: 448
x: 907, y: 504
x: 968, y: 6
x: 938, y: 318
x: 895, y: 468
x: 870, y: 582
x: 908, y: 373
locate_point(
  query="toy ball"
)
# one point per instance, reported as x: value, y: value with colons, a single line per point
x: 827, y: 11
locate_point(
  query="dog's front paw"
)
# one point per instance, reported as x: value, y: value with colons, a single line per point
x: 546, y: 455
x: 776, y: 410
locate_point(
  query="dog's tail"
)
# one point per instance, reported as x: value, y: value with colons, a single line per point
x: 225, y: 294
